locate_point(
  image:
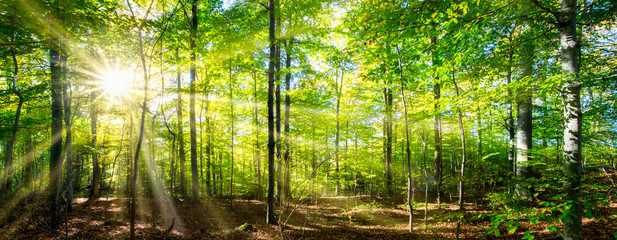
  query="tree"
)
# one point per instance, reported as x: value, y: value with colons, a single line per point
x: 524, y: 124
x: 194, y: 171
x: 96, y: 172
x: 5, y: 183
x: 572, y: 132
x: 55, y: 156
x: 271, y: 141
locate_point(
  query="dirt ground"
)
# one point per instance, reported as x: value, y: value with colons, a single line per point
x: 357, y: 217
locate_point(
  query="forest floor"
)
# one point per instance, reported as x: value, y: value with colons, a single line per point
x: 350, y: 217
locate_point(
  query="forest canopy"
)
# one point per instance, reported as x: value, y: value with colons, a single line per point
x: 323, y: 119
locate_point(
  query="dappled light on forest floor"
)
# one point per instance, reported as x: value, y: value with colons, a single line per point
x: 331, y: 218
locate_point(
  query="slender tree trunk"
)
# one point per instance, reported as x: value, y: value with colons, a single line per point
x: 479, y: 123
x: 55, y: 155
x: 339, y: 91
x: 286, y: 155
x: 524, y: 126
x: 6, y: 183
x: 96, y: 172
x: 572, y: 133
x: 510, y: 125
x: 181, y: 153
x: 193, y: 130
x: 144, y: 108
x: 231, y: 102
x: 271, y: 141
x: 257, y: 153
x: 209, y: 153
x: 437, y: 125
x: 408, y: 150
x: 277, y: 65
x: 388, y: 129
x: 68, y: 147
x: 461, y: 185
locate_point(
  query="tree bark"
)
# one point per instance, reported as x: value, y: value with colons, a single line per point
x: 510, y: 125
x: 181, y: 153
x: 194, y: 167
x: 144, y: 109
x: 339, y: 91
x: 5, y: 187
x: 55, y: 155
x: 271, y: 141
x: 96, y: 172
x: 524, y: 125
x: 408, y: 150
x: 231, y: 103
x: 437, y: 125
x: 68, y: 147
x: 388, y: 133
x: 572, y: 133
x: 286, y: 154
x: 257, y: 153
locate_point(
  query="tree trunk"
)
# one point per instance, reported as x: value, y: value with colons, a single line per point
x: 6, y: 183
x: 437, y: 125
x: 463, y: 151
x: 339, y: 91
x: 510, y: 125
x: 524, y: 125
x: 96, y: 172
x: 408, y: 150
x: 388, y: 133
x: 271, y: 142
x: 144, y: 108
x: 572, y: 133
x: 231, y: 103
x: 286, y: 157
x: 181, y: 153
x: 194, y: 167
x: 209, y: 153
x: 68, y: 147
x: 257, y: 153
x: 277, y: 65
x: 55, y: 155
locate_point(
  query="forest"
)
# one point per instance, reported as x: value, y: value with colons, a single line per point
x: 308, y: 119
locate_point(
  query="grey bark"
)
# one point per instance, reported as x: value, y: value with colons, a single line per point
x: 524, y: 125
x: 408, y: 150
x: 571, y: 91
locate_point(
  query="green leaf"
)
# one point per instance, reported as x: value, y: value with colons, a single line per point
x: 512, y: 230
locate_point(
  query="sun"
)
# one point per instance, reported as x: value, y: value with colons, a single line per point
x: 115, y: 83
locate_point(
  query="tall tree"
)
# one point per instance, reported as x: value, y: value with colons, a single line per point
x: 181, y: 152
x: 572, y: 132
x: 68, y: 145
x: 408, y: 150
x: 96, y: 172
x: 194, y: 167
x: 339, y: 91
x: 55, y: 154
x: 524, y: 123
x: 271, y: 141
x: 286, y: 155
x: 437, y: 122
x: 5, y: 183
